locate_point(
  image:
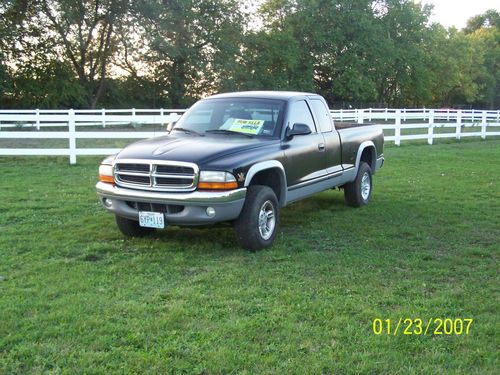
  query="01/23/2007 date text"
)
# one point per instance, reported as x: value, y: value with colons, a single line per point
x: 418, y: 326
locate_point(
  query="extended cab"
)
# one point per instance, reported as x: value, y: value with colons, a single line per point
x: 239, y: 157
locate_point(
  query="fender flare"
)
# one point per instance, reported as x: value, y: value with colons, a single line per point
x: 362, y: 146
x: 265, y: 165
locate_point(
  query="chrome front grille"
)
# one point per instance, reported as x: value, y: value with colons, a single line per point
x: 156, y: 175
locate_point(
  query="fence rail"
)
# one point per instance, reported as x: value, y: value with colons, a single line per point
x: 38, y: 118
x: 398, y: 125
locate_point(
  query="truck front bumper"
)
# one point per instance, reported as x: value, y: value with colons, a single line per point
x: 183, y: 209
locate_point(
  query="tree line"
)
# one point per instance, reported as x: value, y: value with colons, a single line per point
x: 169, y: 53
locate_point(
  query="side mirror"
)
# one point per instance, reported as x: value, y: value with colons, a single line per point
x: 170, y: 126
x: 298, y: 129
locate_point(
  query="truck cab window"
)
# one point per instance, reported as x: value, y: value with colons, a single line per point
x: 322, y: 115
x: 300, y: 113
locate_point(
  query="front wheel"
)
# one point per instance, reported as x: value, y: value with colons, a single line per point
x: 257, y: 224
x: 131, y: 228
x: 358, y: 192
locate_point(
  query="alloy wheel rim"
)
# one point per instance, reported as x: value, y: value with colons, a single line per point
x: 267, y: 220
x: 365, y: 186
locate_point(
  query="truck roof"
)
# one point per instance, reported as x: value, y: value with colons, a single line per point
x: 283, y: 95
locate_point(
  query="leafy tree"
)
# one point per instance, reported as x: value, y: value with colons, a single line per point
x: 464, y: 65
x: 190, y: 43
x: 84, y: 31
x: 400, y: 69
x: 9, y: 17
x: 483, y: 32
x: 307, y: 45
x: 79, y: 34
x: 262, y: 67
x: 6, y: 88
x: 357, y: 50
x: 489, y: 19
x: 451, y: 57
x: 123, y: 53
x: 47, y: 84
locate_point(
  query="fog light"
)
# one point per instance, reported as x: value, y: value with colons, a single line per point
x: 210, y: 211
x: 107, y: 202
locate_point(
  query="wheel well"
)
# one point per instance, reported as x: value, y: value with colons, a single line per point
x: 368, y: 156
x: 270, y: 177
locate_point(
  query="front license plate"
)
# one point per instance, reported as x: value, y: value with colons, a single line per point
x: 151, y: 219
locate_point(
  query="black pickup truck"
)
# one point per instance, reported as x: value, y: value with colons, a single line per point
x: 239, y: 157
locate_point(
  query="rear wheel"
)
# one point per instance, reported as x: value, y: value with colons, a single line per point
x: 359, y: 192
x: 256, y: 227
x: 131, y: 228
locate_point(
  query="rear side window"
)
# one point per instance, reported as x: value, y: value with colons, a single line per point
x: 300, y: 113
x: 322, y: 115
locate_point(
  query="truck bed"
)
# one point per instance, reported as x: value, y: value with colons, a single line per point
x: 345, y: 125
x: 353, y: 135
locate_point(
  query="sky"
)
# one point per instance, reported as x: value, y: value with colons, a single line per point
x: 457, y: 12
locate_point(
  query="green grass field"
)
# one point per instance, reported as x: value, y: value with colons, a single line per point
x: 76, y: 297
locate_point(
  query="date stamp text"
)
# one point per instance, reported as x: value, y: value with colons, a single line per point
x: 418, y: 326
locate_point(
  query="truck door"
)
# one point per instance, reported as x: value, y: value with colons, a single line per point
x: 323, y: 119
x: 304, y: 154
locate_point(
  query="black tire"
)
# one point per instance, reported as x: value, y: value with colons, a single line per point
x: 249, y: 234
x: 353, y: 192
x: 131, y: 228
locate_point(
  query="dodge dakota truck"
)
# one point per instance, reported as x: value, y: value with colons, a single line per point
x: 239, y: 158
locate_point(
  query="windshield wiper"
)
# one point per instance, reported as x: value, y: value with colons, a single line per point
x: 224, y: 131
x: 188, y: 131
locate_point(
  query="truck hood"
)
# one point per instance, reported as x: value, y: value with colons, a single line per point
x: 191, y: 148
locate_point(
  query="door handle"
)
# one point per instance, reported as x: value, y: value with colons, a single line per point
x: 321, y: 146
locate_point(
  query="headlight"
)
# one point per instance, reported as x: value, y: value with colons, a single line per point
x: 106, y: 173
x: 216, y: 180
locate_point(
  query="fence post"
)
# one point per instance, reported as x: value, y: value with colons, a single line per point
x: 484, y: 124
x: 397, y: 129
x: 72, y: 136
x: 341, y: 114
x: 370, y: 115
x: 103, y: 114
x: 161, y: 116
x: 360, y: 116
x: 431, y: 127
x: 459, y: 123
x: 37, y: 119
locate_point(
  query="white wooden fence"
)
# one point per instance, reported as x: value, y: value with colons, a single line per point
x: 398, y: 124
x: 13, y: 125
x: 464, y: 123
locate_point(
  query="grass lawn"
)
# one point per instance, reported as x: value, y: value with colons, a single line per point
x: 76, y: 297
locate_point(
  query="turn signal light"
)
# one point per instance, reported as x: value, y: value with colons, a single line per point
x: 218, y: 185
x: 107, y: 179
x: 106, y: 174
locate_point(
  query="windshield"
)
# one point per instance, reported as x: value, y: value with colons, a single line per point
x: 251, y: 117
